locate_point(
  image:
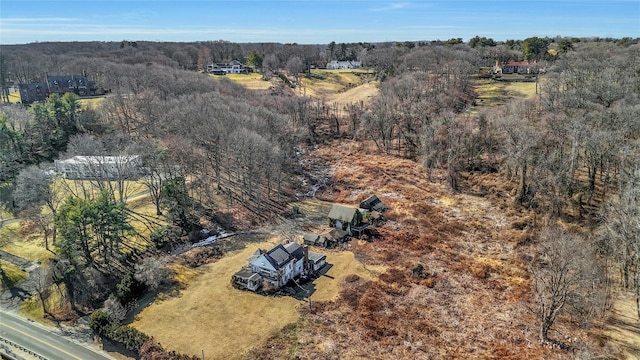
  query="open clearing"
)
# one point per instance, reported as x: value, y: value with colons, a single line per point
x: 251, y: 81
x: 29, y: 243
x: 26, y: 246
x: 11, y: 274
x: 340, y: 86
x: 491, y: 92
x: 91, y: 102
x: 14, y: 97
x: 226, y: 322
x: 469, y: 303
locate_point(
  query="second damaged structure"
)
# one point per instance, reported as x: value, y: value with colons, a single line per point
x: 273, y: 269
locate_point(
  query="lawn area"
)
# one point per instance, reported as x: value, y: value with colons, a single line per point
x: 340, y: 86
x: 91, y: 103
x: 343, y: 263
x: 30, y: 246
x: 251, y: 81
x: 11, y: 274
x: 326, y: 82
x: 491, y: 92
x: 85, y: 103
x: 211, y: 315
x: 14, y: 97
x: 4, y: 215
x: 30, y: 250
x: 27, y: 247
x: 80, y: 187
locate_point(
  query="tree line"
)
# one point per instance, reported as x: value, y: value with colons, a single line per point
x: 572, y: 150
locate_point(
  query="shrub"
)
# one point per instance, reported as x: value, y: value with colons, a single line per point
x: 225, y: 220
x: 99, y: 322
x: 152, y: 350
x: 131, y: 338
x: 128, y: 289
x: 203, y: 256
x: 165, y: 235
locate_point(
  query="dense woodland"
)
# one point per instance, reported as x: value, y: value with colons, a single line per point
x: 571, y: 153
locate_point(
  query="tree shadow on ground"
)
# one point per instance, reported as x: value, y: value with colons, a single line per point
x: 113, y: 347
x: 618, y: 329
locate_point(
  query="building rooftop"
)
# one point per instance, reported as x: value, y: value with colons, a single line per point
x: 278, y: 256
x: 99, y: 159
x: 342, y: 212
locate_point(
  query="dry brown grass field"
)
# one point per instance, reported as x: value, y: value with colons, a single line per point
x: 11, y: 274
x: 251, y: 81
x: 91, y: 103
x: 491, y: 92
x: 340, y: 87
x: 27, y: 245
x: 209, y: 314
x: 28, y: 242
x: 472, y: 300
x: 622, y: 329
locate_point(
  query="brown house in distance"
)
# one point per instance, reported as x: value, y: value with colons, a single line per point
x: 59, y: 84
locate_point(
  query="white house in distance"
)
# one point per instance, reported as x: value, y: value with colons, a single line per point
x: 278, y: 266
x: 99, y: 167
x: 233, y: 67
x: 335, y: 64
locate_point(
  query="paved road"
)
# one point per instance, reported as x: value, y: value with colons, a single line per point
x: 44, y: 342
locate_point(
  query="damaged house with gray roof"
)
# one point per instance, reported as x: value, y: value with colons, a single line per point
x: 349, y: 219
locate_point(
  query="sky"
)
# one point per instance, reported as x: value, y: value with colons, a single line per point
x: 313, y: 21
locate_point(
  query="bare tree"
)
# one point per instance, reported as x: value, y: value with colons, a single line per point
x: 520, y: 141
x: 156, y: 169
x: 35, y: 187
x: 295, y: 66
x: 115, y: 310
x: 561, y: 275
x: 42, y: 281
x: 271, y: 64
x: 621, y: 228
x: 152, y: 272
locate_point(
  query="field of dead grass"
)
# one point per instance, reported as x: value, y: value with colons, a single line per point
x: 28, y: 243
x: 91, y: 103
x: 251, y: 81
x: 468, y: 301
x: 340, y: 86
x: 11, y: 274
x: 28, y: 246
x: 14, y: 97
x: 335, y: 87
x: 491, y: 92
x: 210, y: 314
x: 622, y: 329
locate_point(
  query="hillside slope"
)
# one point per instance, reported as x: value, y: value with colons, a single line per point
x: 468, y: 300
